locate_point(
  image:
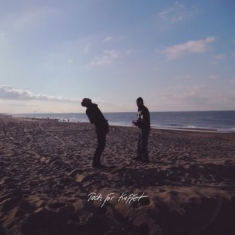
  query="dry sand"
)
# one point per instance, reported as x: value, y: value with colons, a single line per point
x: 46, y: 178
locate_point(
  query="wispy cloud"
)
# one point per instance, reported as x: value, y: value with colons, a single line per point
x: 28, y: 19
x: 114, y: 39
x: 176, y: 13
x: 190, y: 47
x: 25, y: 101
x: 215, y: 77
x: 107, y: 39
x: 9, y: 93
x: 195, y: 97
x: 219, y: 57
x: 186, y: 77
x: 87, y: 48
x: 188, y: 93
x: 107, y: 57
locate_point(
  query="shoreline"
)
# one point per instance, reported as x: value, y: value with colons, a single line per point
x: 206, y: 130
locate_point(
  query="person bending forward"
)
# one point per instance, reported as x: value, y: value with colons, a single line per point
x: 102, y: 128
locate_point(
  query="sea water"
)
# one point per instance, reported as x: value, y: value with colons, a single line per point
x: 223, y: 121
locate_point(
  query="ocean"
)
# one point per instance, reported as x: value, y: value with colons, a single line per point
x: 222, y: 121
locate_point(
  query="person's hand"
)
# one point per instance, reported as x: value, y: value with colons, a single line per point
x: 134, y: 122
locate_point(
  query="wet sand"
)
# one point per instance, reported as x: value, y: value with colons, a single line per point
x: 47, y: 184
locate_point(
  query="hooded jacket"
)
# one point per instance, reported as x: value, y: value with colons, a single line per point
x: 97, y: 118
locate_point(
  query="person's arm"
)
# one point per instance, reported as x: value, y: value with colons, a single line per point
x: 90, y: 116
x: 135, y: 122
x: 145, y: 121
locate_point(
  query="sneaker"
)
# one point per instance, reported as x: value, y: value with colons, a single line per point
x: 98, y: 165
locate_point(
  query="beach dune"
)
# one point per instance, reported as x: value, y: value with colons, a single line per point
x: 47, y: 184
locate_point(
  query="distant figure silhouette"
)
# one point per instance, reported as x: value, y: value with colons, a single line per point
x: 143, y: 122
x: 102, y: 128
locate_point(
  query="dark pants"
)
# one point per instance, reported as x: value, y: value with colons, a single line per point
x: 101, y: 141
x: 143, y: 143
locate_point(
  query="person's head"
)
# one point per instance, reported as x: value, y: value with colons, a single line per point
x: 86, y: 102
x: 140, y: 102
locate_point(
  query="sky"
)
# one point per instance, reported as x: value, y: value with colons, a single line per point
x: 176, y: 55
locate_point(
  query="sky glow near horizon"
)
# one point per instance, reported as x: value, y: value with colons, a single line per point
x: 177, y: 55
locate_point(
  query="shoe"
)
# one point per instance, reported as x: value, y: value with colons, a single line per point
x: 98, y: 165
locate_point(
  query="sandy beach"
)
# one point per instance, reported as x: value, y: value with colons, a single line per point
x: 47, y: 184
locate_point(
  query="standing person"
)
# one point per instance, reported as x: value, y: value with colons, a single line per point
x: 102, y: 128
x: 143, y: 122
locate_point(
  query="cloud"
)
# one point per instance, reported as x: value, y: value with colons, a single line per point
x: 115, y: 39
x: 87, y: 48
x: 107, y: 57
x: 24, y: 101
x: 190, y: 47
x: 176, y: 13
x: 215, y: 77
x: 28, y: 19
x: 175, y: 92
x: 191, y: 94
x: 219, y: 57
x: 195, y: 97
x: 186, y: 77
x: 181, y: 98
x: 9, y: 93
x: 107, y: 39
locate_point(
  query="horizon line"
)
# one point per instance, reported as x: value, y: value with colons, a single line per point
x: 121, y: 112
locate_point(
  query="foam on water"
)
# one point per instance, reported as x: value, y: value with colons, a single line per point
x: 222, y: 121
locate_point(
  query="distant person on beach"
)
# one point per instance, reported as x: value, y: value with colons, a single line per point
x: 102, y: 128
x: 143, y: 122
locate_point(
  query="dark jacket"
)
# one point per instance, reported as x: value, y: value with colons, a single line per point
x: 97, y: 118
x: 143, y: 118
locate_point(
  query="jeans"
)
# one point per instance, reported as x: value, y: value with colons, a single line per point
x: 101, y: 142
x: 142, y: 151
